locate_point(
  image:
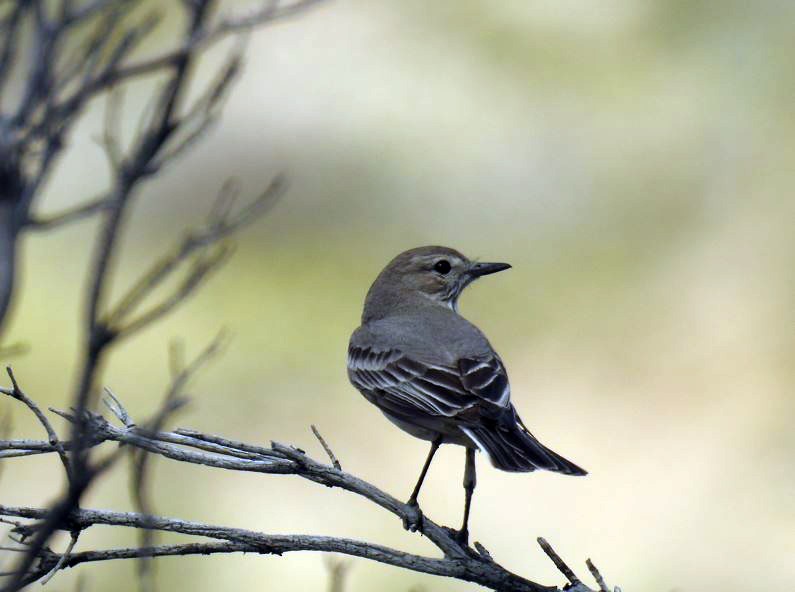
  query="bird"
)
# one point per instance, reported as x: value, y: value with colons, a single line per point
x: 435, y: 375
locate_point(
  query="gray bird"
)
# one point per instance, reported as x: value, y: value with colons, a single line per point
x: 435, y: 375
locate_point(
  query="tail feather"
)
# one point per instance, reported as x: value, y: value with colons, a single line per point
x: 511, y: 447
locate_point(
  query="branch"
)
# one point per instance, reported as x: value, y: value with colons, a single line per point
x: 334, y: 462
x: 241, y: 540
x: 17, y: 393
x: 203, y: 247
x: 12, y: 186
x: 63, y: 560
x: 77, y: 53
x: 69, y: 215
x: 173, y: 400
x: 597, y: 576
x: 188, y: 446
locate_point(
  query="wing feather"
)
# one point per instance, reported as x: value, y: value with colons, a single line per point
x: 409, y: 386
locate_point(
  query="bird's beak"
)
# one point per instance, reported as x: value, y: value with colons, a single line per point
x: 479, y: 269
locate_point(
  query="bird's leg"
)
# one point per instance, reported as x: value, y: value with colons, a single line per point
x: 470, y: 481
x: 434, y: 447
x: 414, y: 523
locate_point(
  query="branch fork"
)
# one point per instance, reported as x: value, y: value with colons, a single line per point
x: 189, y: 446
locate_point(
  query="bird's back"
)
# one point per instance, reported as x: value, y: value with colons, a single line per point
x: 432, y: 334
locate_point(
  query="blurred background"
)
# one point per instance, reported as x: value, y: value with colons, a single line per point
x: 632, y: 159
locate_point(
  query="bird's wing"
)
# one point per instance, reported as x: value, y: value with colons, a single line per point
x: 408, y: 386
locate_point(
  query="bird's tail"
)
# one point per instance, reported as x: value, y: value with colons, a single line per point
x: 511, y: 447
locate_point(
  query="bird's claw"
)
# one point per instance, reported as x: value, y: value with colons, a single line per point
x: 412, y: 521
x: 460, y: 536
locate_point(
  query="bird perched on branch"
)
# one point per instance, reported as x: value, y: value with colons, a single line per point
x: 435, y: 375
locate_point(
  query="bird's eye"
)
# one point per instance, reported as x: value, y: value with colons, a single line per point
x: 442, y: 266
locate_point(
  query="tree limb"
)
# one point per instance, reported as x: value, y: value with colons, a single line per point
x: 457, y: 561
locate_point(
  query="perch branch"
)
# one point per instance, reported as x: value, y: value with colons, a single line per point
x: 188, y: 446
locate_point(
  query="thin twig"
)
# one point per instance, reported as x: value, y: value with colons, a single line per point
x: 327, y: 448
x: 17, y: 393
x: 483, y: 551
x: 200, y: 244
x: 559, y: 563
x: 140, y: 458
x: 68, y: 216
x: 597, y: 576
x: 114, y: 405
x: 64, y: 557
x: 6, y: 426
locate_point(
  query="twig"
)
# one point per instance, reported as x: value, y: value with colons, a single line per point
x: 140, y: 491
x: 597, y: 576
x: 483, y: 551
x: 17, y: 393
x: 62, y: 561
x: 200, y: 243
x: 327, y: 448
x: 68, y: 216
x: 6, y: 425
x: 559, y: 563
x: 114, y: 405
x: 19, y: 453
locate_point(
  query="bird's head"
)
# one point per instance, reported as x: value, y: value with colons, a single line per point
x: 435, y: 274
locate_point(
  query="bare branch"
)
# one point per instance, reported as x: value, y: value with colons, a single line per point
x: 99, y: 335
x: 241, y: 540
x: 17, y: 393
x: 483, y: 551
x: 63, y: 559
x: 203, y: 114
x: 12, y: 187
x: 10, y: 29
x: 229, y: 25
x: 335, y: 463
x: 115, y: 406
x: 111, y: 134
x: 597, y: 576
x: 458, y: 561
x: 6, y: 426
x: 140, y: 490
x: 201, y: 270
x: 559, y: 563
x: 68, y: 216
x: 272, y: 10
x: 201, y: 246
x: 89, y: 10
x: 81, y: 50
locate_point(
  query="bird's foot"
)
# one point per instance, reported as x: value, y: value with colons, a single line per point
x: 412, y: 521
x: 461, y: 536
